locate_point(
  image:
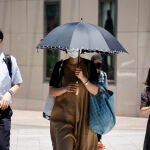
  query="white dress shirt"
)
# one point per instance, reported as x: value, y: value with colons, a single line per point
x: 5, y: 80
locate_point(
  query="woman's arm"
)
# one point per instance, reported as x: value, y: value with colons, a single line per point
x: 92, y: 88
x: 70, y: 88
x: 145, y: 109
x: 57, y: 91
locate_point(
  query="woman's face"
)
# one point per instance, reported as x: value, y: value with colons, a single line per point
x: 73, y: 53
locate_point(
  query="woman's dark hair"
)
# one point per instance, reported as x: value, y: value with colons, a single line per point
x: 1, y: 35
x: 147, y: 82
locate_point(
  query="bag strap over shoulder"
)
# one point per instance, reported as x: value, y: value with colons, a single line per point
x: 147, y: 89
x: 61, y: 65
x: 60, y: 69
x: 8, y: 62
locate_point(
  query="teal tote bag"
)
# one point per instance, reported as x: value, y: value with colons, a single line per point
x: 101, y: 111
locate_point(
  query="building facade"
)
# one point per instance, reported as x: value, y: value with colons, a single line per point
x: 26, y: 22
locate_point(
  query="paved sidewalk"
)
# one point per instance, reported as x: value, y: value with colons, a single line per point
x: 34, y: 118
x: 30, y: 131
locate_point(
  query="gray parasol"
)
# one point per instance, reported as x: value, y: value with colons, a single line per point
x: 81, y: 36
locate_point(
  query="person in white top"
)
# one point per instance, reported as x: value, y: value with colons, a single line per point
x: 102, y: 81
x: 9, y: 85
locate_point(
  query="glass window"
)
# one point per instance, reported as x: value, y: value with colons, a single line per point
x: 52, y: 20
x: 107, y: 19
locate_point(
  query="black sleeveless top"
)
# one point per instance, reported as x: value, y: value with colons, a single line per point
x: 58, y: 72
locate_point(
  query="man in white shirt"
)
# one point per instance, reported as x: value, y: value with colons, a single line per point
x: 9, y: 85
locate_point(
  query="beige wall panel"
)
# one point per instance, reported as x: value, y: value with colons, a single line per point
x: 144, y: 57
x: 5, y: 17
x: 35, y: 20
x: 114, y: 89
x: 127, y: 91
x: 19, y: 47
x: 33, y: 89
x: 127, y: 15
x: 89, y: 11
x: 70, y: 11
x: 73, y: 11
x: 34, y: 83
x: 34, y: 57
x: 142, y: 75
x: 129, y: 41
x: 144, y: 50
x: 19, y: 16
x: 144, y: 15
x: 126, y: 86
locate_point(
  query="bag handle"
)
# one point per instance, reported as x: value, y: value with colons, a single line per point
x: 105, y: 91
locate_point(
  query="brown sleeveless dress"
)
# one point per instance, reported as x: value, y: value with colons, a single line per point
x: 69, y: 119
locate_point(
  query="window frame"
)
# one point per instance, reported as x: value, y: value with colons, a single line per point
x: 48, y: 2
x: 113, y: 81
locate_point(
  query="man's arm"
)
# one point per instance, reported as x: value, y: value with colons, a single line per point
x: 5, y: 101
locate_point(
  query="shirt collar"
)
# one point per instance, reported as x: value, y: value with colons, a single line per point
x: 1, y: 56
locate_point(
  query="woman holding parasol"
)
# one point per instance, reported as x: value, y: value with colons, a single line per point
x: 71, y: 87
x: 69, y: 118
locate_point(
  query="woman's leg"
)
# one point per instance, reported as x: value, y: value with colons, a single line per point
x: 99, y: 137
x: 62, y: 137
x: 52, y: 133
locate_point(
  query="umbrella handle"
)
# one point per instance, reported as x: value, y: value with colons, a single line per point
x: 77, y: 90
x: 79, y: 52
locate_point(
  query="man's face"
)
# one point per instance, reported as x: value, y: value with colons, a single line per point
x: 98, y: 64
x: 1, y: 41
x: 97, y: 61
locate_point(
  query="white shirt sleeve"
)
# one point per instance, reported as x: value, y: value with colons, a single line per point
x: 106, y: 80
x: 16, y: 75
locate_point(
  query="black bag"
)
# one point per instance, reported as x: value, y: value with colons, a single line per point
x: 8, y: 62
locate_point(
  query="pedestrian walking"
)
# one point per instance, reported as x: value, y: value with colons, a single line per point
x: 145, y: 107
x: 69, y: 118
x: 102, y: 81
x: 10, y: 80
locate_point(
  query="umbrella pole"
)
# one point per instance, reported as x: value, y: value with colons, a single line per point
x: 78, y: 57
x: 77, y: 91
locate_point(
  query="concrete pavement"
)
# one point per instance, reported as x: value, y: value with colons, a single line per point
x: 30, y: 131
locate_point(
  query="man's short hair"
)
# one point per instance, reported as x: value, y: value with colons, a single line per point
x: 97, y: 57
x: 1, y: 35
